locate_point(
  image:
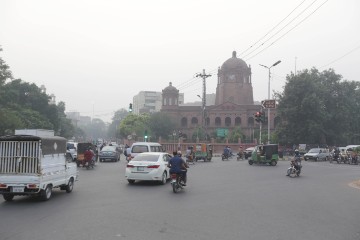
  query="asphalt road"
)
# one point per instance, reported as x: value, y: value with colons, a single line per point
x: 223, y: 200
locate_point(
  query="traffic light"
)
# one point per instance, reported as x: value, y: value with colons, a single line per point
x: 258, y: 116
x: 262, y: 117
x: 145, y: 135
x: 130, y: 107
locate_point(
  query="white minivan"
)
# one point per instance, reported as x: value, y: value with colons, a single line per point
x: 140, y: 147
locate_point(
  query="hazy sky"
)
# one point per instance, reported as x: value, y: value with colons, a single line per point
x: 96, y: 55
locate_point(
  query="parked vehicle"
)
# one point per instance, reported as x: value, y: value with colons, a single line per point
x: 264, y: 154
x: 148, y: 166
x: 34, y: 165
x: 109, y: 153
x: 203, y: 151
x: 317, y: 154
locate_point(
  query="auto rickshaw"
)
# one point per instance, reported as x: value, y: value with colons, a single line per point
x: 263, y: 154
x: 203, y: 151
x: 81, y: 148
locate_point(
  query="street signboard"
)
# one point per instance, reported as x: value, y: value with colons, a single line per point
x: 268, y: 104
x: 222, y: 132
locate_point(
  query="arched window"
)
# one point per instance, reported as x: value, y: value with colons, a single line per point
x: 184, y: 122
x: 170, y: 101
x: 194, y: 120
x: 207, y: 121
x: 227, y: 121
x: 165, y: 102
x: 217, y: 121
x: 237, y: 121
x: 250, y: 122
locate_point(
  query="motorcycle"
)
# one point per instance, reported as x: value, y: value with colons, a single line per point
x: 176, y: 182
x: 225, y: 156
x: 293, y: 171
x: 240, y: 156
x: 90, y: 164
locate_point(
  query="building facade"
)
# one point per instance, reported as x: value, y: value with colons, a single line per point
x: 234, y: 105
x: 149, y: 102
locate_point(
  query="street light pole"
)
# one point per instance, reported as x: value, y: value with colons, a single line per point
x: 269, y: 95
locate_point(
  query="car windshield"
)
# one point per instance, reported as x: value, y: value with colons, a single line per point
x: 314, y: 150
x: 146, y: 158
x: 70, y: 146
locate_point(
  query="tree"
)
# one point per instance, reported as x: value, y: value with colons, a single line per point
x: 114, y: 127
x: 134, y: 124
x: 161, y: 125
x: 315, y: 107
x: 236, y: 134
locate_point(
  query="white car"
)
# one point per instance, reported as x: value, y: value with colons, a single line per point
x: 148, y: 166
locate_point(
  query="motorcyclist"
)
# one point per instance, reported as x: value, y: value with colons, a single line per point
x: 296, y: 161
x: 88, y: 156
x: 226, y: 152
x: 241, y: 153
x: 178, y: 165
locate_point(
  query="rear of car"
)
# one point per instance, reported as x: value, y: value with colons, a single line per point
x: 109, y: 153
x: 317, y: 154
x: 150, y: 166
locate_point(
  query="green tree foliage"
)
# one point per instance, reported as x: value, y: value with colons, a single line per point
x: 24, y: 105
x: 161, y: 125
x: 114, y: 128
x: 134, y: 125
x: 318, y: 107
x: 236, y: 134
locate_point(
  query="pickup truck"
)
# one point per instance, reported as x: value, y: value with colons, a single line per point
x: 34, y: 165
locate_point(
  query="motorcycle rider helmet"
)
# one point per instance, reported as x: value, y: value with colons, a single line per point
x: 179, y: 153
x: 296, y: 151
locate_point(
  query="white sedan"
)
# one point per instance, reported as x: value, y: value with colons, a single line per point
x: 148, y: 166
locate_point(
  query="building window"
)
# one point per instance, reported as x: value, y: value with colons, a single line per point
x: 217, y: 121
x: 170, y: 101
x: 194, y: 120
x: 250, y: 122
x: 237, y: 121
x: 207, y: 121
x: 165, y: 102
x: 184, y: 122
x: 227, y: 121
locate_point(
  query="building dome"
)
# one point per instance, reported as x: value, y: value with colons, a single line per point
x: 170, y: 88
x: 234, y: 63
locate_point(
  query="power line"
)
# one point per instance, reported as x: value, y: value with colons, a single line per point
x: 351, y: 51
x: 287, y: 31
x: 272, y: 29
x: 291, y: 21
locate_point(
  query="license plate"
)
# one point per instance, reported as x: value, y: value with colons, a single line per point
x: 140, y: 168
x: 17, y: 189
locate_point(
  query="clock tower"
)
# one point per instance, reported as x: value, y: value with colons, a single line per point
x: 234, y: 82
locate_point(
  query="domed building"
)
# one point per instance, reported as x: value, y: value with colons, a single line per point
x: 234, y: 104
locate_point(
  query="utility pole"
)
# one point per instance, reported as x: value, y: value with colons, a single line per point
x: 203, y: 76
x: 269, y: 95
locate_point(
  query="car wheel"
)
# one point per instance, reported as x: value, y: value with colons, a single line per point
x: 273, y: 163
x: 317, y: 159
x: 163, y: 178
x: 8, y: 197
x: 131, y: 181
x: 46, y: 194
x: 70, y: 186
x: 251, y: 162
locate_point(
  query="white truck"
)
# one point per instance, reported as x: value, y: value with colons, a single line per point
x: 33, y: 163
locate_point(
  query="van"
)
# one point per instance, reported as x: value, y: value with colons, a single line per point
x: 140, y: 147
